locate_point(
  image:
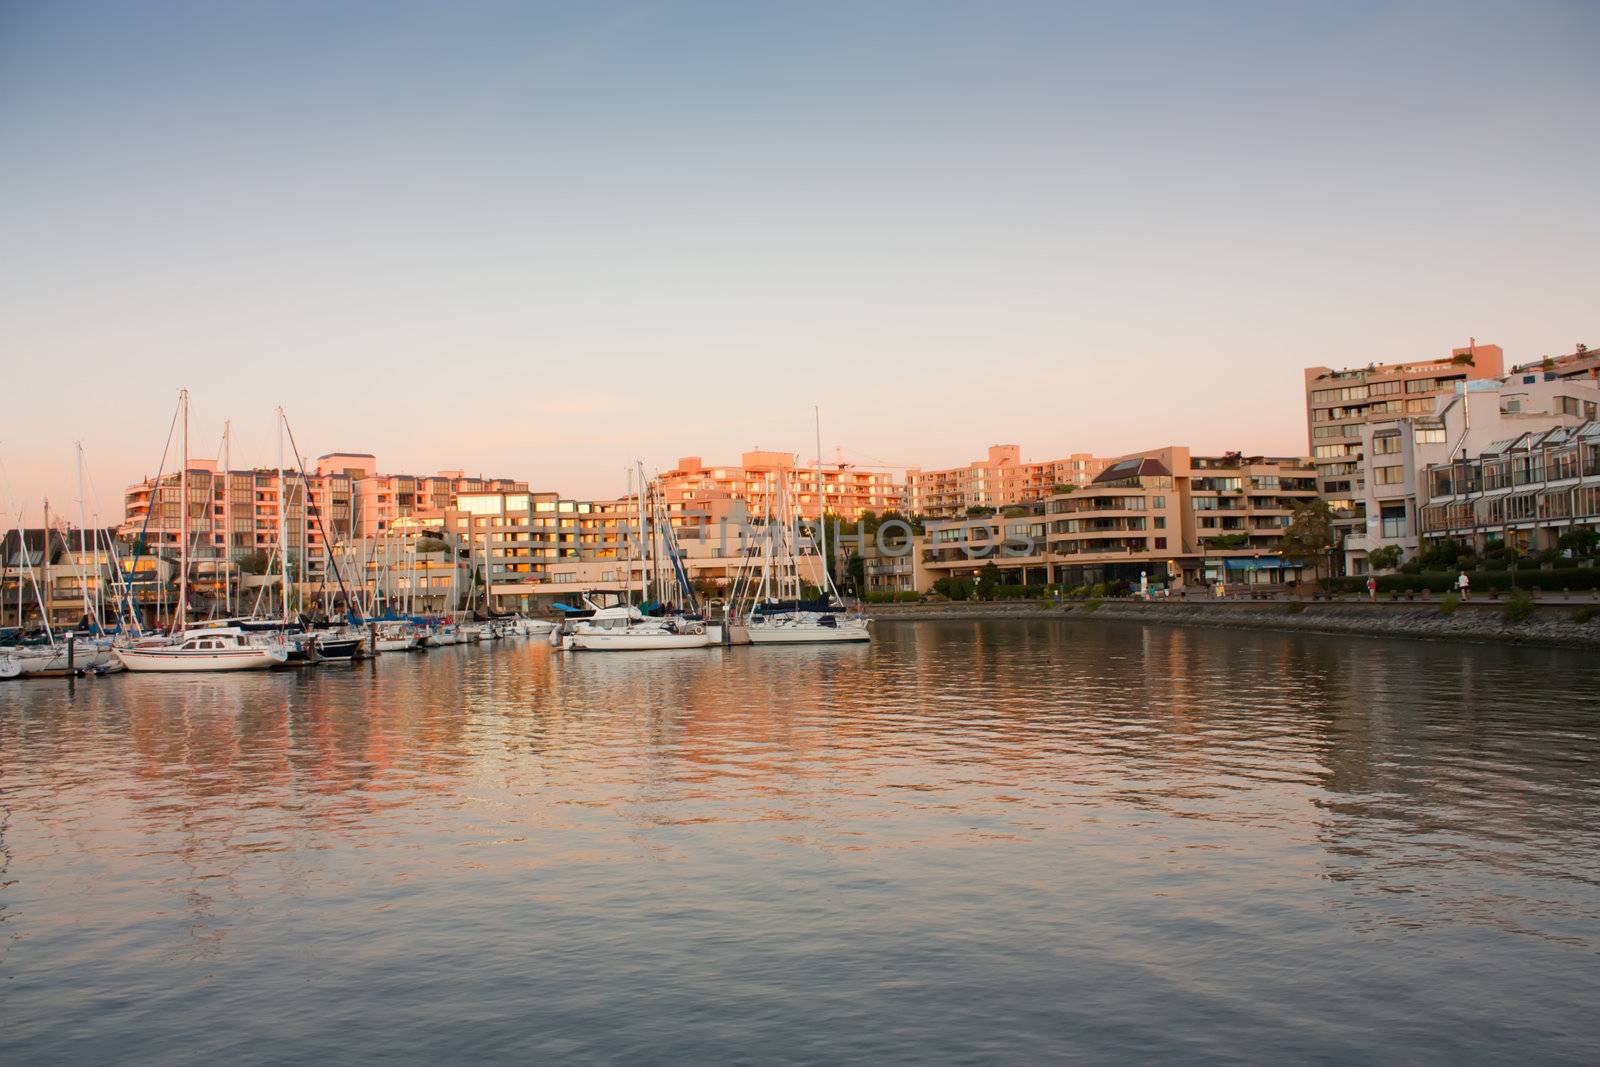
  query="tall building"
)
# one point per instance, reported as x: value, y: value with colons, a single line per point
x: 846, y: 490
x: 1000, y: 479
x: 1340, y: 402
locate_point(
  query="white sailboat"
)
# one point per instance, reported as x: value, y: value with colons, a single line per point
x: 625, y: 628
x: 208, y: 649
x: 768, y: 601
x: 212, y: 649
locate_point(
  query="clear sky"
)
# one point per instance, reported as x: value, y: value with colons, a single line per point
x: 539, y: 240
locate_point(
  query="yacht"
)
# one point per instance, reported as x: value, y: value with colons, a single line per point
x: 220, y: 648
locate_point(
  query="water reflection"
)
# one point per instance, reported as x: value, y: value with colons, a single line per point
x: 883, y: 851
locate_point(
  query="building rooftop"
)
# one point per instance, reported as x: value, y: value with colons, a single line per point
x: 1132, y: 468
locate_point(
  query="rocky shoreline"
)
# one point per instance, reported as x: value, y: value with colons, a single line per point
x: 1555, y: 625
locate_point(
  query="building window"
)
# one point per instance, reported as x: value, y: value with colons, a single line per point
x: 1429, y: 437
x: 1388, y: 475
x: 1161, y: 542
x: 1394, y: 521
x: 1387, y: 445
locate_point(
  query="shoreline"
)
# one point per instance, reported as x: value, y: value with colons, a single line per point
x: 1551, y: 625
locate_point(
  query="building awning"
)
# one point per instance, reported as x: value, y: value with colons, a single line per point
x: 1270, y: 564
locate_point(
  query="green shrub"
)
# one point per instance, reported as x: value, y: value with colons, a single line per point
x: 892, y: 598
x: 954, y: 588
x: 1296, y: 608
x: 1091, y: 604
x: 1519, y: 607
x: 1584, y: 616
x: 1449, y: 604
x: 1574, y: 579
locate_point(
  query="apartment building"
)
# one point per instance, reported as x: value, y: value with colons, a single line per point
x: 1580, y: 364
x: 1340, y: 402
x: 843, y: 489
x: 57, y: 574
x: 1000, y: 479
x: 1164, y: 515
x: 343, y: 498
x: 541, y: 547
x: 1398, y: 450
x: 1528, y: 487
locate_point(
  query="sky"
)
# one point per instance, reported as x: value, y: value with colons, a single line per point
x: 543, y: 240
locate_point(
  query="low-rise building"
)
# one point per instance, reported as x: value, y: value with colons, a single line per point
x: 1524, y: 491
x: 1163, y: 515
x: 1397, y: 451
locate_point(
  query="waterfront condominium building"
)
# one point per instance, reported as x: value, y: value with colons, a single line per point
x: 234, y: 513
x: 1000, y: 479
x: 846, y: 490
x: 1164, y: 514
x: 1525, y: 489
x: 1340, y: 402
x: 60, y: 574
x: 1397, y: 450
x: 540, y: 547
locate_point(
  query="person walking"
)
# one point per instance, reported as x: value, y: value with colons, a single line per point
x: 1464, y: 586
x: 1372, y: 588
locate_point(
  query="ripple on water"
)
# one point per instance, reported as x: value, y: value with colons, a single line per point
x: 969, y: 841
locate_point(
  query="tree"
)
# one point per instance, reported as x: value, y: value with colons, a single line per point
x: 1309, y: 535
x: 855, y: 574
x: 988, y: 580
x: 979, y: 511
x: 1580, y: 540
x: 1064, y: 488
x: 1385, y: 558
x: 1224, y: 541
x: 431, y: 544
x: 253, y: 562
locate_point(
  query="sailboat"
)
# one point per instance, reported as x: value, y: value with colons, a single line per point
x: 768, y: 598
x: 625, y: 628
x: 203, y: 648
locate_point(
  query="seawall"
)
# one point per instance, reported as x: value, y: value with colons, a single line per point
x: 1550, y: 624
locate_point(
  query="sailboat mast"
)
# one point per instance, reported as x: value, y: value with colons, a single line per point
x: 183, y: 521
x: 83, y: 533
x: 822, y: 506
x: 227, y: 518
x: 283, y: 530
x: 630, y: 542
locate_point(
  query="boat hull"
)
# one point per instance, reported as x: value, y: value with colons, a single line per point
x: 808, y: 634
x: 339, y: 648
x: 622, y: 641
x: 182, y: 661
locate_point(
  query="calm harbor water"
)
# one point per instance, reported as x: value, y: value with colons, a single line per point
x: 972, y: 841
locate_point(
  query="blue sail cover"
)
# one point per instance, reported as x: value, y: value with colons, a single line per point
x: 778, y: 607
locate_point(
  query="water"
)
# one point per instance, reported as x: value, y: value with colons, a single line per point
x: 1007, y: 841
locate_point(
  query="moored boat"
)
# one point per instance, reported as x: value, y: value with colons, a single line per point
x: 218, y: 649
